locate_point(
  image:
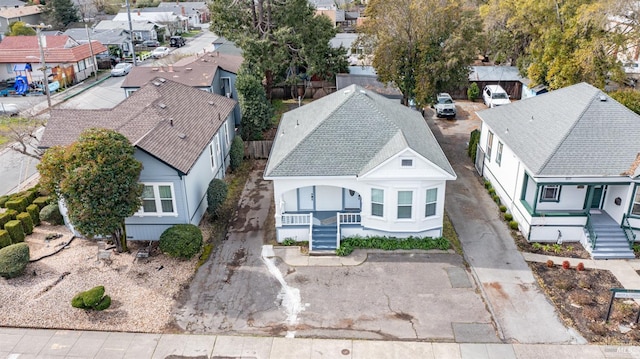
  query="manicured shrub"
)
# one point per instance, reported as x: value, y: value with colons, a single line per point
x: 12, y: 213
x: 492, y: 191
x: 513, y: 225
x: 508, y: 217
x: 236, y: 153
x: 41, y: 201
x: 566, y: 265
x: 93, y: 298
x: 473, y: 144
x: 4, y: 218
x: 503, y: 208
x: 16, y: 231
x: 51, y: 213
x: 13, y: 260
x: 17, y: 204
x: 473, y: 92
x: 27, y: 222
x: 181, y: 241
x: 3, y: 200
x: 30, y: 196
x: 496, y: 199
x: 34, y: 212
x: 487, y: 184
x: 347, y: 245
x: 5, y: 238
x: 216, y: 195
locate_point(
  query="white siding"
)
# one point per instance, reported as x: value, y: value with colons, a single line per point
x: 328, y: 198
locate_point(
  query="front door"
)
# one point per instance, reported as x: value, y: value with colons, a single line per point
x: 596, y: 200
x: 306, y: 198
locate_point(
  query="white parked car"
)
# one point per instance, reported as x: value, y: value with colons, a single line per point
x: 8, y: 109
x: 159, y: 52
x: 121, y: 69
x: 444, y: 106
x: 495, y: 95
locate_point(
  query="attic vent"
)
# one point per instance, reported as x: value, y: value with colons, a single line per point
x: 182, y: 136
x: 603, y: 98
x: 212, y: 103
x: 156, y: 83
x: 188, y: 69
x: 154, y: 69
x: 162, y: 106
x: 162, y: 80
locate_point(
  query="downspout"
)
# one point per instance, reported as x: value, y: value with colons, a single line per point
x: 184, y: 193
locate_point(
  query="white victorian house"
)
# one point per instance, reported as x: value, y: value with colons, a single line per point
x: 565, y: 164
x: 356, y: 163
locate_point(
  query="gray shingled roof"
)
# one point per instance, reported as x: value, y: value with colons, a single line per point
x: 349, y: 133
x: 569, y: 132
x: 168, y: 120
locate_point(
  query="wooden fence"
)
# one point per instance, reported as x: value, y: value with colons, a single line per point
x: 258, y: 149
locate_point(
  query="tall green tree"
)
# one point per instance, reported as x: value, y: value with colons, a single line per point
x: 254, y: 105
x: 629, y: 98
x: 18, y: 28
x: 97, y: 177
x: 422, y: 46
x: 555, y: 43
x: 60, y: 13
x: 281, y: 38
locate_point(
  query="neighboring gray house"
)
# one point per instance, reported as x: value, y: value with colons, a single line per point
x: 27, y: 14
x: 173, y: 22
x: 356, y: 163
x: 196, y: 12
x: 212, y: 72
x: 566, y: 165
x: 142, y: 30
x: 181, y: 135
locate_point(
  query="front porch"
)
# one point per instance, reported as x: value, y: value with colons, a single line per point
x: 323, y: 229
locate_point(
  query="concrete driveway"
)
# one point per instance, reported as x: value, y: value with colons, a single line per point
x: 408, y: 296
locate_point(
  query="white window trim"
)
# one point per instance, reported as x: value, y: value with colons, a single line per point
x: 499, y: 153
x: 635, y: 200
x: 381, y: 203
x: 412, y: 165
x: 156, y: 194
x: 413, y: 213
x: 489, y: 145
x: 427, y: 203
x: 213, y: 154
x: 556, y: 197
x: 227, y: 134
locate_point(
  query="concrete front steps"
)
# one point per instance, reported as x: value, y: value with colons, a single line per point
x: 611, y: 242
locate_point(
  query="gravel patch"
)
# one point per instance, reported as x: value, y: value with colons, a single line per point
x: 143, y: 290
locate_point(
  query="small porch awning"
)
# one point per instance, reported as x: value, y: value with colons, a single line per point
x: 22, y: 67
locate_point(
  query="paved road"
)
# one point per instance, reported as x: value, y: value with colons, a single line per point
x: 14, y: 169
x: 105, y: 95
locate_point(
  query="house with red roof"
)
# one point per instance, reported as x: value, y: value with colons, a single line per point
x: 67, y: 60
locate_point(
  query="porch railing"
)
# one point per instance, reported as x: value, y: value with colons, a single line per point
x: 349, y: 218
x: 593, y: 237
x: 628, y: 232
x: 310, y: 219
x: 297, y: 219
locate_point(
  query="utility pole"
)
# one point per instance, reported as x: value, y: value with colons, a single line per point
x: 93, y: 57
x: 133, y: 51
x: 42, y: 60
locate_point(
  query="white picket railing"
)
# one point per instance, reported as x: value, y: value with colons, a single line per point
x: 349, y: 218
x: 296, y: 219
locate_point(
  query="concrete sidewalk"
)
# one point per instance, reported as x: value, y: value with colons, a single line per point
x: 58, y: 344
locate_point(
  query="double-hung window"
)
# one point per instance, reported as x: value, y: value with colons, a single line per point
x: 405, y: 202
x: 499, y: 154
x: 431, y: 202
x: 489, y: 145
x: 550, y: 193
x: 158, y: 199
x: 635, y: 208
x: 377, y: 202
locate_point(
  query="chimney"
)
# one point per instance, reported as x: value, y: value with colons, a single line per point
x: 170, y: 68
x: 184, y: 12
x: 138, y: 12
x: 161, y: 69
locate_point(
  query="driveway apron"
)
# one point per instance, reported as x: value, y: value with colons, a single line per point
x: 522, y: 312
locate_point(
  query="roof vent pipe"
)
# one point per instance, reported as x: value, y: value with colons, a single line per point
x: 603, y: 98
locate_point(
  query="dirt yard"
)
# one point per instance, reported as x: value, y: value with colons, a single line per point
x: 142, y: 290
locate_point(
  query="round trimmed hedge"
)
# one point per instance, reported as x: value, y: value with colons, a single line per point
x: 51, y: 213
x: 13, y: 260
x: 181, y: 241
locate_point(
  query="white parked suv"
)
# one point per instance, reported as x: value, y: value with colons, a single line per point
x: 495, y: 95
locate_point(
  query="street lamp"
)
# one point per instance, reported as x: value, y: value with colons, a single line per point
x: 42, y: 60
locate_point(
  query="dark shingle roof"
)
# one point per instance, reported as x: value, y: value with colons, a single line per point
x: 574, y: 131
x: 170, y: 121
x: 349, y: 133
